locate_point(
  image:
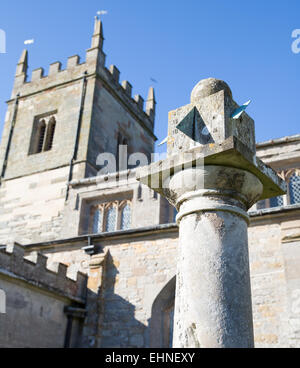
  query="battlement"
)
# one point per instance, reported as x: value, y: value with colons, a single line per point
x: 93, y: 66
x: 40, y: 81
x: 35, y: 272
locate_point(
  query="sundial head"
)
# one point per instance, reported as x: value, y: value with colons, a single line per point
x: 208, y: 119
x: 208, y: 87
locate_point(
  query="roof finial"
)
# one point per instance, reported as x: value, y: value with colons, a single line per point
x: 151, y: 99
x: 151, y: 103
x: 23, y: 63
x: 98, y: 36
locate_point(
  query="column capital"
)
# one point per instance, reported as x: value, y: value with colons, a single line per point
x: 213, y: 188
x: 229, y: 167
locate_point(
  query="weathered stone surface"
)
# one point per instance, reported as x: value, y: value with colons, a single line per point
x: 213, y: 299
x: 230, y: 153
x: 207, y: 120
x: 107, y: 110
x: 213, y: 296
x: 35, y: 300
x: 130, y: 298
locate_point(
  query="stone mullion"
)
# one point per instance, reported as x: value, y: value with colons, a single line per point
x: 45, y: 135
x: 101, y: 208
x: 118, y: 215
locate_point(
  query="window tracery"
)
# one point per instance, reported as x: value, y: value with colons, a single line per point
x: 111, y: 216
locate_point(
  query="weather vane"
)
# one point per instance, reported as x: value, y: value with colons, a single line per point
x: 29, y: 42
x: 101, y: 12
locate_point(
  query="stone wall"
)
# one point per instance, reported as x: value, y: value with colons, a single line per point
x: 86, y: 193
x: 36, y: 298
x: 282, y: 153
x: 33, y: 188
x: 102, y: 107
x: 66, y: 102
x: 32, y: 207
x: 111, y: 118
x: 136, y: 269
x: 268, y: 285
x: 274, y: 251
x: 141, y: 263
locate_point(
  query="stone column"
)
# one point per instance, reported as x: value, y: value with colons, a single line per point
x: 213, y: 294
x: 212, y: 176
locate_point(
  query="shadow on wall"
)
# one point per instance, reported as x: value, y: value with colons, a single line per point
x: 113, y: 319
x: 162, y: 317
x: 33, y: 318
x: 120, y: 328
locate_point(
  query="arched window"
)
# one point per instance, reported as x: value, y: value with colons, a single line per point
x: 110, y: 216
x: 276, y: 201
x: 41, y: 136
x: 126, y: 217
x: 98, y: 221
x: 50, y: 134
x: 294, y: 189
x: 110, y: 219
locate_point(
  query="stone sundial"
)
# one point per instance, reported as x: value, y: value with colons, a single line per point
x: 207, y: 119
x: 212, y: 176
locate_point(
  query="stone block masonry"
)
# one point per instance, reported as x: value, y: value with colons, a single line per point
x: 142, y: 264
x: 36, y: 299
x: 92, y: 111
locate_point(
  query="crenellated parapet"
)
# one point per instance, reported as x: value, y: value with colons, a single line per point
x: 40, y: 81
x: 93, y: 66
x: 35, y: 272
x: 111, y: 78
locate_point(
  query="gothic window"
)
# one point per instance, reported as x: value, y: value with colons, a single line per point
x: 98, y: 221
x: 294, y: 189
x: 126, y: 217
x: 292, y: 179
x: 43, y: 134
x: 276, y: 201
x: 110, y: 219
x: 50, y: 134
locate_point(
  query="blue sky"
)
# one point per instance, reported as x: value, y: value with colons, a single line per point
x: 178, y: 43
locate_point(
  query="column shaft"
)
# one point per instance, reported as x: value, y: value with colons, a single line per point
x: 213, y: 296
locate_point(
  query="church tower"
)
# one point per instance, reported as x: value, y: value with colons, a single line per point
x: 56, y: 126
